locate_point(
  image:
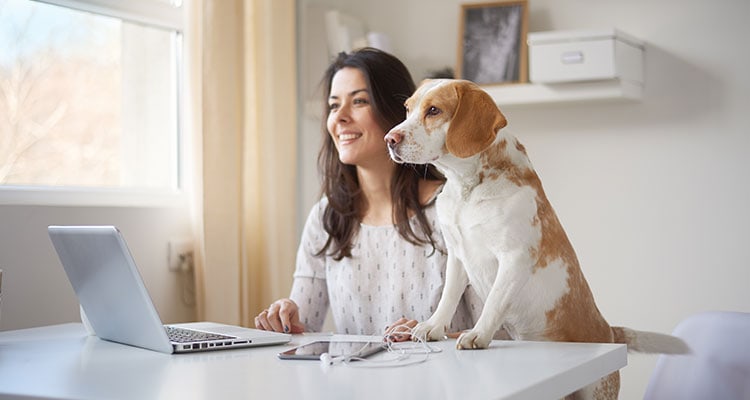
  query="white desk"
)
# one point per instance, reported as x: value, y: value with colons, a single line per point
x: 62, y: 362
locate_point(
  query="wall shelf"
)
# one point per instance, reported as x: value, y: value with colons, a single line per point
x: 578, y: 66
x: 535, y: 93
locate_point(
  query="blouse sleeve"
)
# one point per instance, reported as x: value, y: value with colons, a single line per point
x: 310, y: 289
x: 311, y: 295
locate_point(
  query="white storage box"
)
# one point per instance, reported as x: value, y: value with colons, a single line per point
x: 590, y: 55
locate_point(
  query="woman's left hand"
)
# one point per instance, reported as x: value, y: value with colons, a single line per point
x: 399, y: 331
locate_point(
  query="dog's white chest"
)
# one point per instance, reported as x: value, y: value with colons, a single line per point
x: 486, y: 221
x: 471, y: 234
x: 463, y: 233
x: 481, y: 229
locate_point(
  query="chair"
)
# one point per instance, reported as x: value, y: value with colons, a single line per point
x: 718, y: 366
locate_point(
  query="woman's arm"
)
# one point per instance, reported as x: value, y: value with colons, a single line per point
x: 311, y: 295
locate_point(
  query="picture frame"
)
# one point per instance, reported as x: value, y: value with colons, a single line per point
x: 492, y: 45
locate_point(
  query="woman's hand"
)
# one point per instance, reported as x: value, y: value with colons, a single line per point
x: 281, y: 316
x: 399, y: 331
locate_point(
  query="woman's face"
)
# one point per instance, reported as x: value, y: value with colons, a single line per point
x: 352, y: 123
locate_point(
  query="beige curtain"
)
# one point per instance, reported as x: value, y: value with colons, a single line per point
x: 244, y: 111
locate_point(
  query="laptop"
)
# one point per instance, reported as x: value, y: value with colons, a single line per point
x: 114, y: 299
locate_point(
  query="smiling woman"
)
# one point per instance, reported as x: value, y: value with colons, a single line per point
x: 78, y: 107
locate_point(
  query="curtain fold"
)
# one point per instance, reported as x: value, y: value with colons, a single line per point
x: 245, y: 202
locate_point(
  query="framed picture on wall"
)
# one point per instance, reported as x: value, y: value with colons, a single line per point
x: 492, y: 42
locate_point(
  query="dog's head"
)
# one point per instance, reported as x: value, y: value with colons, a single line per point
x: 445, y: 116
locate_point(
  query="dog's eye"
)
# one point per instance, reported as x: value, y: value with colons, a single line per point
x: 432, y: 111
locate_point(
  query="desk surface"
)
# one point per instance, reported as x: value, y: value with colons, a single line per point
x: 61, y: 361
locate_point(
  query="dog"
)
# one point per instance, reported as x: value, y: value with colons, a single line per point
x: 502, y: 235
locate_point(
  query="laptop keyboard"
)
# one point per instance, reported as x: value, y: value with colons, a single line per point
x: 182, y: 335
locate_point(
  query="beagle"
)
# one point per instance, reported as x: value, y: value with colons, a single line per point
x: 502, y: 235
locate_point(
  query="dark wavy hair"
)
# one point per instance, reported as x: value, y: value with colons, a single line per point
x: 389, y: 84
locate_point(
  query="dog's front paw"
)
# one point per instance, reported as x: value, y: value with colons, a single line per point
x: 428, y: 331
x: 473, y: 339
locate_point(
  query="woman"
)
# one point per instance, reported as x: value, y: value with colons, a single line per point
x: 371, y: 248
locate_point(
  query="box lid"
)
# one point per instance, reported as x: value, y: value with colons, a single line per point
x: 549, y: 37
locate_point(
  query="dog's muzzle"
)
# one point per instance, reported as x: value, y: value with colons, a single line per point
x: 394, y: 155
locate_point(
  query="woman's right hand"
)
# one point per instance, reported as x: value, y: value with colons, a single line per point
x: 281, y: 316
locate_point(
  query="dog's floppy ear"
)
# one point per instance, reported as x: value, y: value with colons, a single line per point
x: 475, y: 122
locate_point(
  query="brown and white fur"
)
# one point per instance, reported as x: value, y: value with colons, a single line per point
x: 501, y: 233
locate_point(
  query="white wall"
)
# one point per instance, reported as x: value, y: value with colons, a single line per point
x: 654, y: 195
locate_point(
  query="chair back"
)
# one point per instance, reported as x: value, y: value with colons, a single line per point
x: 718, y: 366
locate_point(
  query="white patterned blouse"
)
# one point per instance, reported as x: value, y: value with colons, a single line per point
x: 386, y: 278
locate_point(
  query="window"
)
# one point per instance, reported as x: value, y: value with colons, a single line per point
x: 90, y: 94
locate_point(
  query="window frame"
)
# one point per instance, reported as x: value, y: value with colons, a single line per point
x: 145, y: 12
x: 140, y: 11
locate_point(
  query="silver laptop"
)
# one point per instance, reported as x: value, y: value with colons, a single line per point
x: 118, y: 307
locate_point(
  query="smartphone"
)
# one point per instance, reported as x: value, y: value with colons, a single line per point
x: 313, y: 350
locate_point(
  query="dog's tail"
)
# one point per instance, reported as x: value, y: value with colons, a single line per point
x: 649, y: 342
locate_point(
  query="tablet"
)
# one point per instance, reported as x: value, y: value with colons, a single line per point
x: 313, y: 350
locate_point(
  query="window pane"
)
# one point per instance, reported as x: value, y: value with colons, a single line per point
x: 85, y: 100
